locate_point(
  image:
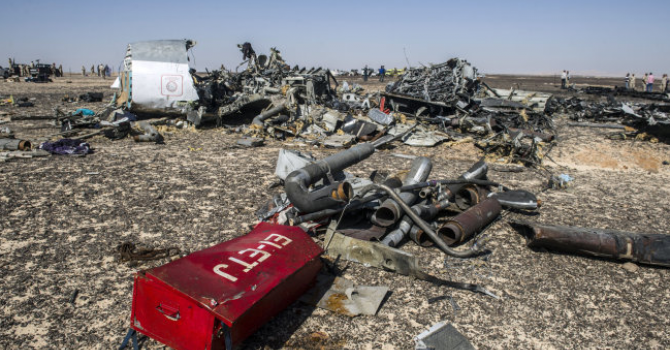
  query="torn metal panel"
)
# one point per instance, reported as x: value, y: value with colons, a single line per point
x: 371, y: 254
x: 342, y: 296
x: 421, y: 138
x: 442, y: 336
x: 534, y: 99
x: 216, y: 297
x: 652, y: 249
x: 331, y: 120
x: 155, y: 77
x: 338, y: 141
x: 380, y: 117
x: 357, y: 127
x: 250, y: 141
x: 415, y: 135
x: 290, y: 161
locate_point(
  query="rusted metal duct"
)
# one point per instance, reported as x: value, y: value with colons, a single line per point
x: 297, y: 183
x: 466, y: 224
x: 389, y: 212
x: 424, y: 225
x: 280, y: 107
x: 652, y: 249
x: 425, y: 211
x: 15, y: 145
x: 467, y: 195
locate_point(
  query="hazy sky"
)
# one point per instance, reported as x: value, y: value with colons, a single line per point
x: 588, y: 37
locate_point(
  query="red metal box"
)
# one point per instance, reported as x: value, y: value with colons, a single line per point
x: 216, y: 297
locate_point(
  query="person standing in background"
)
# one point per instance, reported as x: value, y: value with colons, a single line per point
x: 664, y: 83
x: 632, y: 81
x: 382, y: 73
x: 564, y: 78
x: 650, y: 82
x: 626, y: 80
x: 644, y: 81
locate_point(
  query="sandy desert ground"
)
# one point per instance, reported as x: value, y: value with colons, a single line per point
x: 62, y: 217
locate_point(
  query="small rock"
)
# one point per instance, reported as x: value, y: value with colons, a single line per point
x: 630, y: 267
x: 665, y: 162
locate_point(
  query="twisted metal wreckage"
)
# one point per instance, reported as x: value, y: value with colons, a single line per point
x: 638, y: 120
x: 426, y: 106
x: 217, y: 297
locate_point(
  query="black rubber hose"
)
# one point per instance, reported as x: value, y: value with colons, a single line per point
x: 297, y: 182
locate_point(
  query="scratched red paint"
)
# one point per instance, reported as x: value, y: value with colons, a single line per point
x: 243, y: 283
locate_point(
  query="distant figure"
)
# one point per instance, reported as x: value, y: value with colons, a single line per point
x: 365, y: 73
x: 664, y: 83
x: 92, y: 70
x: 83, y: 71
x: 249, y: 54
x: 107, y: 71
x: 32, y: 64
x: 626, y: 80
x: 53, y: 69
x: 564, y: 79
x: 382, y: 73
x: 11, y: 63
x: 632, y: 81
x: 644, y: 81
x: 650, y: 82
x: 60, y: 70
x: 567, y: 78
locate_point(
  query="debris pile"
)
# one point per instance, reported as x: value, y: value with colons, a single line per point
x: 635, y: 120
x: 218, y: 296
x: 397, y: 208
x: 447, y: 82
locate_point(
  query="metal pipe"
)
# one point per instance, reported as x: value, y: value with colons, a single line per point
x: 425, y: 227
x: 15, y: 145
x: 451, y: 182
x: 425, y: 211
x: 464, y: 195
x: 652, y: 249
x: 392, y: 182
x: 297, y: 183
x: 280, y: 107
x: 463, y: 226
x: 389, y: 212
